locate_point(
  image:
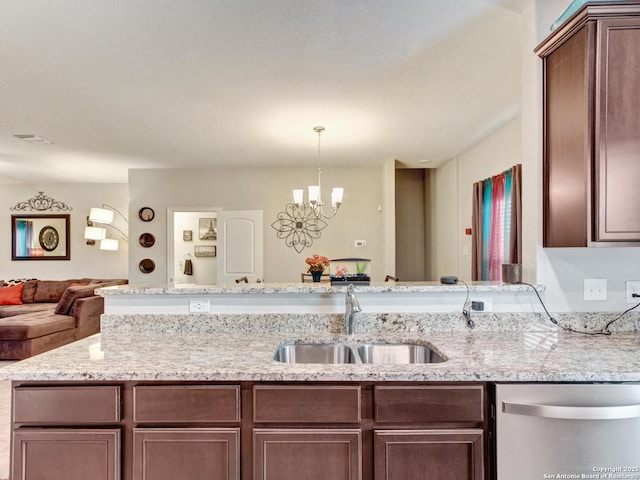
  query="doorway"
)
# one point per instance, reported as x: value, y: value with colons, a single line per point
x: 192, y: 245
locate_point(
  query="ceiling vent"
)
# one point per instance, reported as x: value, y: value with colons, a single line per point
x: 34, y: 139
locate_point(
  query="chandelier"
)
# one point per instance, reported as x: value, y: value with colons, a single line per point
x: 302, y: 222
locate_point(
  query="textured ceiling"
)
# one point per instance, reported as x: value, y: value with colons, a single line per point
x: 121, y: 84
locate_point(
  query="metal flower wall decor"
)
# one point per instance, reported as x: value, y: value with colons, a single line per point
x: 41, y: 202
x: 298, y: 226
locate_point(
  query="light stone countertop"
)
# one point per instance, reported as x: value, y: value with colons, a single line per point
x: 289, y: 288
x: 549, y: 355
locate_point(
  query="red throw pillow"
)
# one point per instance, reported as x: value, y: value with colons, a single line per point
x: 11, y: 295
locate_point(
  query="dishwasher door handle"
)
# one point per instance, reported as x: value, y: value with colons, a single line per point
x: 572, y: 413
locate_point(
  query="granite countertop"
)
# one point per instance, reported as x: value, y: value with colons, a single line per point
x: 288, y: 288
x: 551, y: 355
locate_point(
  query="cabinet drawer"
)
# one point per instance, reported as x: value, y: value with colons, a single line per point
x: 186, y: 403
x: 428, y: 404
x: 66, y: 405
x: 306, y: 404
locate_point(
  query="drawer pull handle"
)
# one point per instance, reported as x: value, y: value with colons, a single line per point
x: 572, y: 413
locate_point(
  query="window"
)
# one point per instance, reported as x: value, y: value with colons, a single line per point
x: 497, y: 224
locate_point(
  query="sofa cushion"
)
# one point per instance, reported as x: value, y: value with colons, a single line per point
x: 11, y: 295
x: 33, y: 325
x: 12, y: 310
x: 50, y: 291
x: 71, y: 294
x: 29, y: 291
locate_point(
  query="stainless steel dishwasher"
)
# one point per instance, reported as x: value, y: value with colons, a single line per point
x: 552, y: 431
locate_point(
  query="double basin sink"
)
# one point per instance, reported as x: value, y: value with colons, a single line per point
x: 368, y: 353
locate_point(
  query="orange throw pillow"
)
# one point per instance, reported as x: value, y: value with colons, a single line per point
x: 11, y: 295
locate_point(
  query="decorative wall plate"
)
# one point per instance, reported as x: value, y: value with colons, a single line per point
x: 147, y: 240
x: 146, y: 214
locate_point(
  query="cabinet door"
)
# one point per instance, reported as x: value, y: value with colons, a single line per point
x: 79, y: 454
x: 618, y: 130
x: 455, y: 454
x: 284, y: 454
x: 567, y: 142
x: 187, y: 453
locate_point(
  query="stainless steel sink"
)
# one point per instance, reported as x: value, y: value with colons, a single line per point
x: 315, y: 353
x: 395, y: 353
x: 374, y: 353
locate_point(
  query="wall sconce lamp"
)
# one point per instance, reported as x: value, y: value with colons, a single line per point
x: 104, y: 216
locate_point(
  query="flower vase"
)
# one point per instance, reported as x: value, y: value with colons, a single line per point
x: 316, y: 275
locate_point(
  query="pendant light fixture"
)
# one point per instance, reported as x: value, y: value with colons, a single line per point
x: 302, y: 222
x: 315, y: 191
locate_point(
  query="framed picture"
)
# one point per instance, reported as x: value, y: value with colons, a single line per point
x: 205, y: 250
x: 187, y: 235
x: 207, y: 229
x: 40, y: 237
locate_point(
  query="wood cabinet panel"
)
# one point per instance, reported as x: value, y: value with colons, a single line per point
x: 281, y: 454
x: 455, y: 454
x: 56, y: 454
x: 186, y: 453
x: 306, y: 404
x: 186, y: 403
x: 429, y: 404
x: 618, y: 121
x: 67, y: 405
x: 591, y: 170
x: 567, y: 172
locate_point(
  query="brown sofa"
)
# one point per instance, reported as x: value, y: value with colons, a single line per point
x: 52, y: 313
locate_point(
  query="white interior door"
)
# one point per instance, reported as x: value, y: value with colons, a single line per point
x: 240, y: 246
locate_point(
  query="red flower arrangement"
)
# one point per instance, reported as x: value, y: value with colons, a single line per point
x: 317, y: 263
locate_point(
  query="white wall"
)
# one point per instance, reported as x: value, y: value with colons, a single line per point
x: 267, y: 189
x: 86, y: 260
x: 443, y: 205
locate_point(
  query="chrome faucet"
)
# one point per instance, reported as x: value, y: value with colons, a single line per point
x: 351, y: 307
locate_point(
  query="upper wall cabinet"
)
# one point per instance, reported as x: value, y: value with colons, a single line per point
x: 591, y: 166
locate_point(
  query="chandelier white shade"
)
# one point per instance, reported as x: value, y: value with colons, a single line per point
x: 314, y: 192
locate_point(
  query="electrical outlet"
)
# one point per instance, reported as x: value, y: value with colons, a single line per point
x: 198, y: 306
x: 631, y: 287
x: 595, y: 289
x: 481, y: 304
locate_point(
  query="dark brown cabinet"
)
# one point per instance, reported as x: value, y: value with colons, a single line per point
x: 69, y: 432
x: 591, y: 131
x: 193, y: 453
x: 312, y: 454
x: 177, y: 432
x: 249, y: 431
x: 69, y: 454
x: 446, y: 454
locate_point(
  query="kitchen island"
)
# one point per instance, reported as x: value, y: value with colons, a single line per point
x: 180, y: 395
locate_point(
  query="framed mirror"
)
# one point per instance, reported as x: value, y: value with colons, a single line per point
x: 147, y: 240
x: 146, y: 214
x: 40, y: 237
x: 147, y: 265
